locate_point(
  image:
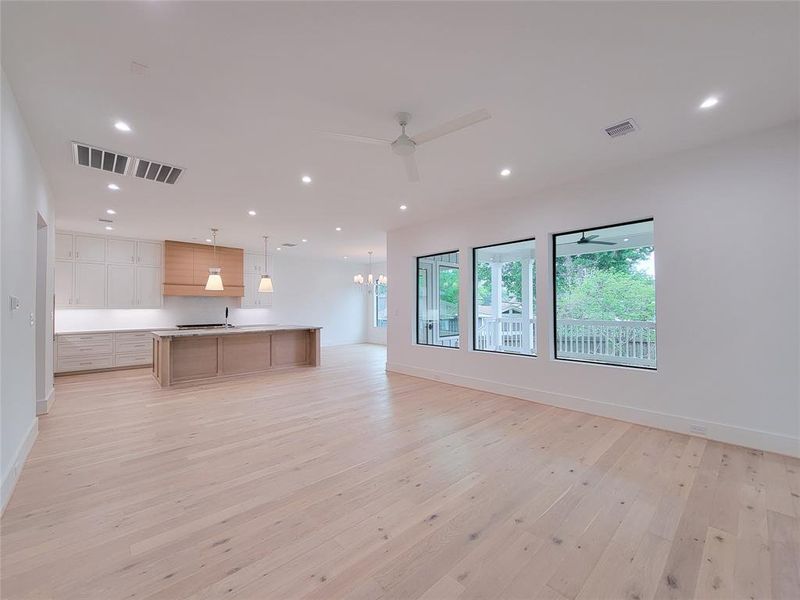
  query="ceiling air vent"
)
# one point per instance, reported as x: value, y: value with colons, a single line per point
x: 623, y: 128
x: 289, y: 244
x: 156, y: 171
x: 97, y: 158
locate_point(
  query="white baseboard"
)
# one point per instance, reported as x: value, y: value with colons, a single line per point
x: 43, y: 406
x: 731, y: 434
x: 10, y: 478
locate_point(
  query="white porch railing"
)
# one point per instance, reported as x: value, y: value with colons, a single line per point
x: 621, y: 342
x: 508, y: 337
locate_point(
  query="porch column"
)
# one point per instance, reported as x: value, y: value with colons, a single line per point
x: 497, y: 303
x: 527, y: 342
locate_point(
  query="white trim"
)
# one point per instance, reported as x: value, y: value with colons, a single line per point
x: 43, y: 406
x: 731, y: 434
x: 10, y: 479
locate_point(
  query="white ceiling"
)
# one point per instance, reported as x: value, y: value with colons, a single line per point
x: 238, y: 92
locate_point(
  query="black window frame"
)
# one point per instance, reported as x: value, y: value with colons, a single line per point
x: 416, y: 300
x: 475, y: 300
x: 555, y: 293
x: 375, y: 320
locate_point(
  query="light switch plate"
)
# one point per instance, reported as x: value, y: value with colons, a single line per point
x: 13, y: 302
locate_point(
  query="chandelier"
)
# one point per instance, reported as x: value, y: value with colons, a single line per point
x: 369, y: 282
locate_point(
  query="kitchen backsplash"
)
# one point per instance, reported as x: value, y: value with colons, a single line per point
x: 175, y: 311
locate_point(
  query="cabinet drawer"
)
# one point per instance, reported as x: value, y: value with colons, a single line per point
x: 91, y: 350
x: 80, y: 339
x: 143, y: 358
x: 66, y: 365
x: 133, y: 345
x: 131, y: 336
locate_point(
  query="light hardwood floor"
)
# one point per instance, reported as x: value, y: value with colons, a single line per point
x: 343, y: 482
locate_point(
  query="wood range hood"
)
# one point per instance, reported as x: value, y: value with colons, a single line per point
x: 186, y: 269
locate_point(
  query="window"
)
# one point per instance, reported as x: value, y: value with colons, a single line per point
x: 605, y: 295
x: 505, y: 298
x: 437, y: 300
x: 380, y: 319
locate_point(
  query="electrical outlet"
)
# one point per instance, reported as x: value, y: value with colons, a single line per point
x: 696, y: 429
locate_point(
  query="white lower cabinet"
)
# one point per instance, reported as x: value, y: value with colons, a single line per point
x: 93, y: 351
x: 90, y: 285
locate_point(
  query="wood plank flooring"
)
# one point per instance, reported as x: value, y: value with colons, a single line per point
x: 346, y: 482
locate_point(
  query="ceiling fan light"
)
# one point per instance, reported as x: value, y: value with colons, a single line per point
x: 214, y: 283
x: 265, y: 285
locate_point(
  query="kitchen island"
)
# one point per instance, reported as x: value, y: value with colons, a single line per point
x: 181, y: 355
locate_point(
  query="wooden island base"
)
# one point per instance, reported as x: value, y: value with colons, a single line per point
x: 181, y: 357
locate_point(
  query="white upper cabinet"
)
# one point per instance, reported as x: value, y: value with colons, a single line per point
x: 89, y: 248
x: 148, y: 287
x: 90, y: 285
x: 253, y: 264
x: 121, y: 286
x: 99, y: 272
x: 148, y: 254
x: 64, y: 246
x: 65, y: 275
x: 121, y: 252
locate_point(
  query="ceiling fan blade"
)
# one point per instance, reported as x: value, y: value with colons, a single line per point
x: 411, y: 168
x: 604, y: 243
x: 589, y: 238
x: 451, y: 126
x: 356, y: 138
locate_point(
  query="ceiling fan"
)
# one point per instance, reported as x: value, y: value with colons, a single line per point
x: 591, y: 240
x: 405, y: 146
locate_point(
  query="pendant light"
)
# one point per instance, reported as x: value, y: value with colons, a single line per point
x: 265, y: 285
x: 214, y: 283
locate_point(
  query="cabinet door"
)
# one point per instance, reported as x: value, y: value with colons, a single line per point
x: 64, y: 283
x: 121, y: 251
x: 253, y: 263
x: 90, y: 285
x: 148, y: 254
x: 148, y: 287
x: 121, y: 286
x: 64, y: 246
x: 179, y: 268
x: 90, y: 248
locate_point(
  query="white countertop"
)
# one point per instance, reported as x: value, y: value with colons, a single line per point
x: 214, y: 331
x: 117, y: 330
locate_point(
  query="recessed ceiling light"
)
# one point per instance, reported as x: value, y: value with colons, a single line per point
x: 709, y: 102
x: 109, y: 228
x: 208, y: 240
x: 304, y: 240
x: 113, y: 186
x: 403, y: 207
x: 305, y: 179
x: 252, y: 213
x: 344, y: 257
x: 111, y: 211
x: 627, y: 240
x: 279, y: 248
x: 505, y: 172
x: 122, y: 126
x: 338, y: 229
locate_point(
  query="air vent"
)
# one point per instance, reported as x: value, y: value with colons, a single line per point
x: 288, y: 244
x: 623, y: 128
x: 156, y: 171
x: 102, y: 220
x: 97, y: 158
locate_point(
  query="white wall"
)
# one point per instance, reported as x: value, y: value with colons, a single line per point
x: 726, y: 237
x: 307, y: 292
x: 375, y: 335
x: 24, y: 193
